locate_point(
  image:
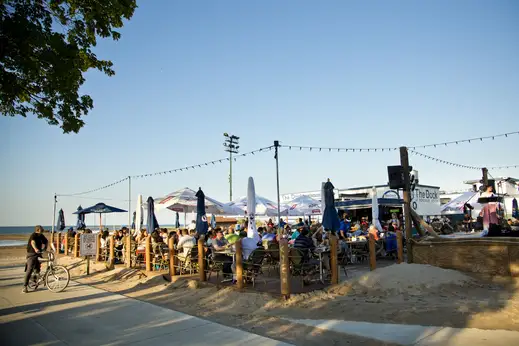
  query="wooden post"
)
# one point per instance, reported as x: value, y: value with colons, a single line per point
x: 404, y: 160
x: 128, y: 254
x: 172, y: 259
x: 87, y: 265
x: 148, y: 254
x: 284, y: 268
x: 399, y: 247
x: 52, y: 237
x: 372, y: 253
x: 239, y: 264
x: 65, y: 252
x: 112, y: 252
x: 333, y: 259
x: 76, y: 246
x: 58, y: 243
x: 98, y: 248
x: 201, y: 258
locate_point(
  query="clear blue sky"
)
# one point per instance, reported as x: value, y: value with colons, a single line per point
x: 331, y: 73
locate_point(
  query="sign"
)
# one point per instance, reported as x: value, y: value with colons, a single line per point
x: 425, y: 200
x: 88, y: 244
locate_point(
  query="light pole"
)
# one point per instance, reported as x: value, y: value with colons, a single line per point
x: 231, y: 146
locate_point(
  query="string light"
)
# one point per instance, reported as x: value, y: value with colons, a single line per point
x: 94, y: 190
x: 460, y: 165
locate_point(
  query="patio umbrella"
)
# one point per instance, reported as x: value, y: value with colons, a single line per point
x: 252, y: 232
x: 185, y: 200
x: 201, y: 219
x: 139, y: 214
x: 100, y: 208
x: 264, y: 206
x: 515, y: 210
x: 177, y: 221
x: 80, y: 219
x: 374, y: 209
x: 152, y: 223
x: 61, y: 221
x: 213, y: 221
x: 330, y: 218
x: 304, y: 205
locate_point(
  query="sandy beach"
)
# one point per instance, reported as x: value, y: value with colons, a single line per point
x: 479, y: 302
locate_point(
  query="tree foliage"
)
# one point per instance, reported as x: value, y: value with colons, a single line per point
x: 45, y: 49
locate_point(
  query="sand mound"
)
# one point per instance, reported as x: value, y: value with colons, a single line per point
x: 400, y: 278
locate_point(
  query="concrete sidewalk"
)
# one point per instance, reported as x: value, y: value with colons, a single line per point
x: 83, y: 315
x: 405, y: 334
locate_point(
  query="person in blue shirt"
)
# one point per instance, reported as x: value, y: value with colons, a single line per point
x: 269, y: 235
x: 300, y: 223
x: 345, y: 227
x: 282, y: 223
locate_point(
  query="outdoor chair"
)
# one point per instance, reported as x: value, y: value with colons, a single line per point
x: 272, y: 257
x: 302, y: 264
x: 160, y: 260
x: 214, y: 267
x: 252, y: 266
x: 191, y: 262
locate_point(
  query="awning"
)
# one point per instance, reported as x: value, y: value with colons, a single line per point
x: 367, y: 203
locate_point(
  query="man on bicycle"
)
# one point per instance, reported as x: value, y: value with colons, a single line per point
x: 36, y: 245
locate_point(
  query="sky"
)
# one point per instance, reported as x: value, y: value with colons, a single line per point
x: 325, y: 74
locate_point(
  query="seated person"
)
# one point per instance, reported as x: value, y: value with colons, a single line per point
x: 157, y: 243
x: 220, y: 244
x: 373, y: 230
x: 269, y: 235
x: 303, y: 241
x: 185, y: 243
x: 119, y: 244
x: 248, y: 246
x: 141, y: 238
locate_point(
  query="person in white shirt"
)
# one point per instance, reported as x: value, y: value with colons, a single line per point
x: 186, y: 243
x: 248, y: 245
x: 192, y: 226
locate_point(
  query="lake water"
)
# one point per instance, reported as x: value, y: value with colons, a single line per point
x: 4, y: 243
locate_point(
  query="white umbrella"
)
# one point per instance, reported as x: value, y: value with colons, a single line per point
x: 374, y: 209
x: 138, y: 213
x: 264, y: 206
x: 184, y: 200
x: 252, y: 232
x: 304, y: 205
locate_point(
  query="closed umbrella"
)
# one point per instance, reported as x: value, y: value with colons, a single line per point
x: 252, y: 232
x: 330, y: 218
x: 374, y: 210
x: 61, y: 221
x: 177, y: 221
x: 213, y: 221
x: 515, y: 210
x: 80, y: 219
x: 201, y: 219
x: 152, y: 223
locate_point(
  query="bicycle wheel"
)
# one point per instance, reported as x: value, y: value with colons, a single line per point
x: 57, y: 278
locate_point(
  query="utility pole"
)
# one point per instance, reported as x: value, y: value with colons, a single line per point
x: 54, y: 213
x: 129, y: 203
x: 404, y: 161
x: 276, y: 146
x: 485, y: 177
x: 231, y: 146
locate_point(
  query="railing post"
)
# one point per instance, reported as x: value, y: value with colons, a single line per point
x: 76, y: 245
x: 148, y: 254
x: 399, y: 247
x: 372, y: 253
x: 201, y: 258
x: 284, y: 268
x: 58, y: 243
x: 333, y: 259
x: 172, y: 259
x: 239, y: 264
x: 128, y: 254
x: 98, y: 249
x: 65, y: 252
x: 112, y: 252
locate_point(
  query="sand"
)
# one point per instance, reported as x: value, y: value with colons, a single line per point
x: 426, y: 295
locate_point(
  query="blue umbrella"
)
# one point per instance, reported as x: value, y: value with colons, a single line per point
x: 152, y: 220
x: 177, y: 221
x: 213, y: 221
x: 61, y: 221
x: 515, y: 210
x: 201, y: 219
x: 100, y: 208
x: 80, y: 219
x: 330, y: 218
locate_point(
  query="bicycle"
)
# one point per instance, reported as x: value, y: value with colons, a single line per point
x: 54, y: 275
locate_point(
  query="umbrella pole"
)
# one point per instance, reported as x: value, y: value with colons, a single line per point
x: 100, y: 223
x: 54, y: 214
